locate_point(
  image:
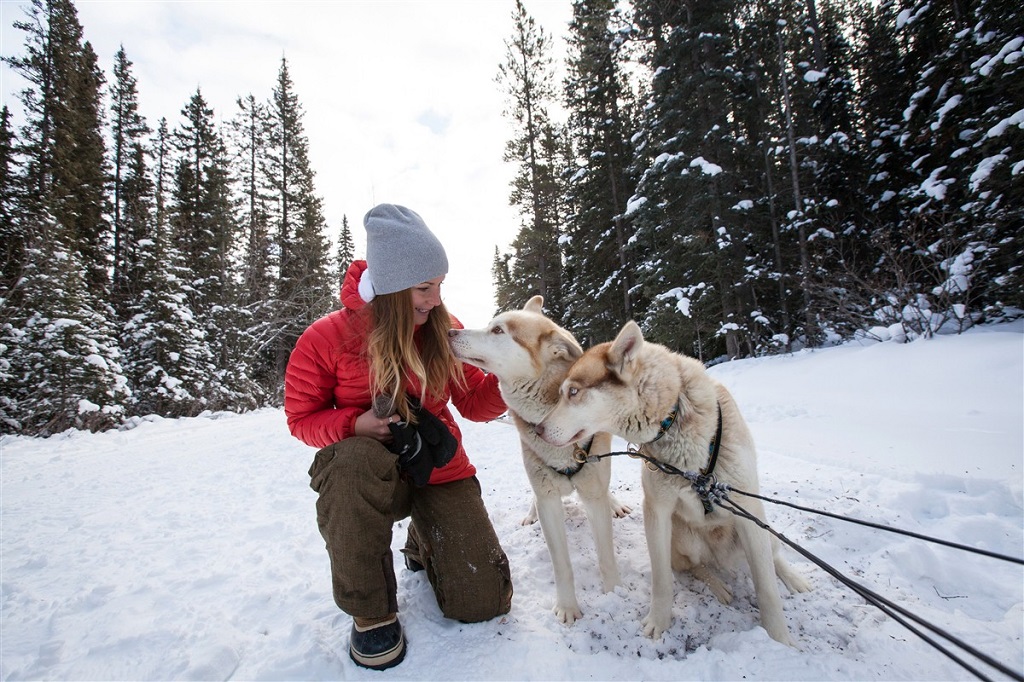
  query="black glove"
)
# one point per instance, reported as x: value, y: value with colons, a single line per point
x: 437, y: 440
x: 413, y: 459
x: 420, y: 448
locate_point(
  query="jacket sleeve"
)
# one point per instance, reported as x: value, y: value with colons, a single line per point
x: 480, y: 398
x: 309, y: 383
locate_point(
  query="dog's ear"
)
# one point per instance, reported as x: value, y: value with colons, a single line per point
x: 625, y: 347
x: 535, y: 305
x: 563, y: 345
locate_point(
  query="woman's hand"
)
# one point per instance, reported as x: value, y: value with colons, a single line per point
x: 370, y: 425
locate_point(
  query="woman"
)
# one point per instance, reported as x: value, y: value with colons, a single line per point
x: 353, y: 387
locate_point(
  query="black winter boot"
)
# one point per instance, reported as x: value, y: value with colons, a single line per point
x: 379, y: 646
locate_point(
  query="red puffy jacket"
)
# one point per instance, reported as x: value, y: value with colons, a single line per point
x: 327, y: 383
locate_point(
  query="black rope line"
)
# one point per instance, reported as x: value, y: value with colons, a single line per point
x: 888, y: 607
x: 879, y: 526
x: 711, y: 491
x: 722, y: 488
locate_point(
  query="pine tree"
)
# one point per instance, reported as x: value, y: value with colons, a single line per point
x: 504, y: 288
x: 62, y: 358
x: 304, y: 286
x: 951, y: 246
x: 128, y: 128
x: 527, y: 76
x: 166, y: 355
x: 203, y: 221
x: 167, y: 359
x: 12, y: 253
x: 60, y: 355
x: 601, y: 121
x: 65, y: 172
x: 249, y: 130
x: 346, y: 252
x: 689, y: 244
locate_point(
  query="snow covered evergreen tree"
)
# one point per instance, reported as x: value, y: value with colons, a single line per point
x: 598, y: 276
x: 690, y: 241
x: 346, y: 253
x: 203, y: 222
x: 167, y: 358
x: 61, y: 357
x: 946, y: 180
x: 538, y: 153
x: 249, y: 129
x: 304, y: 289
x: 128, y: 129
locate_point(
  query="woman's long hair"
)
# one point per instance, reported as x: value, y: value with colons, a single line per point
x: 395, y: 349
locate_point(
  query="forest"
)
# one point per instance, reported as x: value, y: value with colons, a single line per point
x: 741, y: 177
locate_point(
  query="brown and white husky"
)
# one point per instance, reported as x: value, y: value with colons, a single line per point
x: 648, y: 395
x: 531, y: 354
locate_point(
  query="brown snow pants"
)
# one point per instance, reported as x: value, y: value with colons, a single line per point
x: 361, y: 496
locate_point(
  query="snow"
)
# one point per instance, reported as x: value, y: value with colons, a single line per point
x: 1015, y: 119
x: 188, y: 549
x: 706, y: 167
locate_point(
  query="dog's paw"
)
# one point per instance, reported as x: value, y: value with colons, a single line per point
x: 568, y: 614
x: 618, y: 509
x: 793, y: 581
x: 718, y: 588
x: 654, y: 625
x: 531, y: 516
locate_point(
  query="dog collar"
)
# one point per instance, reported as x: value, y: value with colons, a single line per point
x: 580, y: 455
x: 667, y: 422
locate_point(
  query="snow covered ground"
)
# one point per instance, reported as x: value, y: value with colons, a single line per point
x: 188, y: 549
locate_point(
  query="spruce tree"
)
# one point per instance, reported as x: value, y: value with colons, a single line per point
x: 346, y: 252
x: 203, y: 222
x: 65, y: 173
x: 601, y: 121
x: 61, y: 357
x: 166, y: 355
x: 12, y: 251
x: 689, y: 245
x: 249, y: 129
x: 127, y: 128
x: 536, y: 150
x: 305, y: 283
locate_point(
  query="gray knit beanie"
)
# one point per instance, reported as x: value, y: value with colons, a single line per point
x: 401, y: 251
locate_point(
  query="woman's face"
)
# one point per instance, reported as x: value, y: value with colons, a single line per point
x: 425, y: 297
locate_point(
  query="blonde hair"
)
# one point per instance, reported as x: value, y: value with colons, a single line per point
x: 394, y: 353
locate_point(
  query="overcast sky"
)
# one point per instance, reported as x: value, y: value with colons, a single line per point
x: 400, y: 99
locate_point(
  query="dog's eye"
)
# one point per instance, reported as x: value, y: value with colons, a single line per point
x: 573, y: 392
x: 497, y: 330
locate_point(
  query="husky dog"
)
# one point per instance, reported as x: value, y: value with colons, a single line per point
x: 646, y: 394
x: 530, y: 354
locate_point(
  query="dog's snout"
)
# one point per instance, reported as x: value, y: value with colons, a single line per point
x: 539, y: 430
x: 453, y: 332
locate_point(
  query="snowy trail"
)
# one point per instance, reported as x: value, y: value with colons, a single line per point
x: 188, y: 549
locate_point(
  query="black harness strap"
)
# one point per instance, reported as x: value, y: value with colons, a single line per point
x: 704, y: 483
x: 714, y: 447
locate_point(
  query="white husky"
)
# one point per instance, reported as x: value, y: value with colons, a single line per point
x: 649, y: 395
x: 530, y: 354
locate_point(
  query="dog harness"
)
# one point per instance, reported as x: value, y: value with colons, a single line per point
x: 706, y: 480
x: 704, y: 483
